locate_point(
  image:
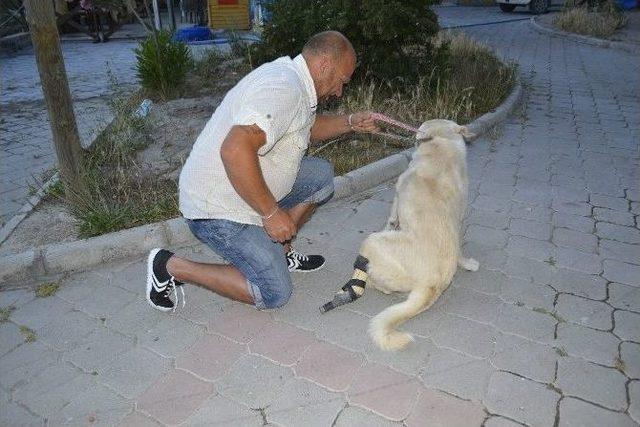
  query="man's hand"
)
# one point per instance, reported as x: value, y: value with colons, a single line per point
x: 362, y: 122
x: 279, y: 226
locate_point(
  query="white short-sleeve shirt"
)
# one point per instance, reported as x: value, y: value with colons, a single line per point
x: 280, y: 98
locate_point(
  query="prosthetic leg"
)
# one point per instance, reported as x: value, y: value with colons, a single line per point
x: 353, y: 289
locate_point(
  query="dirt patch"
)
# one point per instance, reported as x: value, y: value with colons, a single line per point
x: 175, y: 126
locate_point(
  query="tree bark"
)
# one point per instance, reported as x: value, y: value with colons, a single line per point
x: 57, y: 96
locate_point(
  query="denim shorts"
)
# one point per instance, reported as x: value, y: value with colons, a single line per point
x: 250, y: 249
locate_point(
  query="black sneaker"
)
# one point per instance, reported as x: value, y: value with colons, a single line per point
x: 303, y: 263
x: 159, y: 282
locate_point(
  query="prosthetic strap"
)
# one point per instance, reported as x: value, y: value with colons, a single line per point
x: 353, y: 289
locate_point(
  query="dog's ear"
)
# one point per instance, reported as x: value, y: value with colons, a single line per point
x: 466, y: 133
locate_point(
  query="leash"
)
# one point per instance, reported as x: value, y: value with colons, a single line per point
x: 397, y: 123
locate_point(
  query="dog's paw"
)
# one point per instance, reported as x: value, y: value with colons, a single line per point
x: 469, y: 264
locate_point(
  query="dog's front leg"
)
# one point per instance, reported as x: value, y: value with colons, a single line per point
x: 393, y: 223
x: 468, y: 264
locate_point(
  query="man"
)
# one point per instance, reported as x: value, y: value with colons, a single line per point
x: 246, y: 188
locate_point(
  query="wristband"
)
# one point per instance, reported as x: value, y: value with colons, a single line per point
x: 271, y: 214
x: 349, y: 121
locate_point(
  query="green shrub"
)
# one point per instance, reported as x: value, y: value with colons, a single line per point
x: 162, y: 63
x: 392, y: 38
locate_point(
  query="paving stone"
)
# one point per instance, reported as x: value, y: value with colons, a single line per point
x: 486, y: 281
x: 16, y: 298
x: 499, y: 221
x: 303, y: 402
x: 211, y: 357
x: 333, y: 329
x: 593, y: 314
x: 595, y: 346
x: 132, y: 372
x: 239, y: 322
x: 68, y: 330
x: 530, y: 248
x: 40, y: 312
x: 526, y: 358
x: 329, y: 365
x: 574, y: 413
x: 573, y: 222
x: 487, y: 237
x: 409, y: 361
x: 579, y: 284
x: 136, y: 319
x: 352, y: 416
x: 605, y: 386
x: 254, y: 381
x: 621, y: 272
x: 520, y: 399
x: 614, y: 217
x: 435, y: 408
x: 575, y: 240
x: 491, y: 204
x: 630, y: 356
x: 470, y: 304
x: 580, y: 261
x: 171, y: 336
x: 383, y: 391
x: 269, y: 343
x: 10, y: 337
x: 82, y: 286
x: 97, y: 349
x: 26, y: 361
x: 174, y: 397
x: 618, y: 232
x: 464, y: 335
x: 627, y: 325
x: 500, y: 422
x: 619, y: 251
x: 137, y: 419
x: 15, y: 415
x: 615, y: 203
x: 97, y: 406
x: 528, y: 269
x: 531, y: 229
x: 533, y: 212
x: 572, y: 208
x: 458, y: 374
x: 532, y: 325
x: 220, y: 411
x: 532, y: 295
x: 634, y: 397
x: 105, y: 301
x: 488, y: 258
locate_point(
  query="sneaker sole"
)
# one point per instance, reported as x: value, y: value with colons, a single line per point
x: 306, y: 271
x: 152, y: 255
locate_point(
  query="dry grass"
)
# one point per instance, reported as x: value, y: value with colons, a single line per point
x: 476, y: 82
x: 601, y: 23
x: 28, y: 334
x: 47, y: 289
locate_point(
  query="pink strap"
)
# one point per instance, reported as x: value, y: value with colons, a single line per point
x: 383, y: 118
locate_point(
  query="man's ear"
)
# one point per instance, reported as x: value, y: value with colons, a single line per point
x: 466, y: 134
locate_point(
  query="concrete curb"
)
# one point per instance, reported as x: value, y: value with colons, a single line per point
x: 67, y: 257
x: 578, y: 38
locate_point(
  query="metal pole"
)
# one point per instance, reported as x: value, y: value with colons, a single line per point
x: 172, y: 16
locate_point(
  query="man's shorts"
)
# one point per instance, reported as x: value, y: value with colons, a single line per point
x: 250, y: 249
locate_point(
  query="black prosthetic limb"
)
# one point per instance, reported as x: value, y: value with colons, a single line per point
x: 353, y: 289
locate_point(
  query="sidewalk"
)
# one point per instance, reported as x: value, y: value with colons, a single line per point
x: 546, y: 333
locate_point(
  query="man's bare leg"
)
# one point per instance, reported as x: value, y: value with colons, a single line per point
x: 225, y: 280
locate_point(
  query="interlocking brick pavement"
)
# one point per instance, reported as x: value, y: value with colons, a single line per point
x: 545, y: 333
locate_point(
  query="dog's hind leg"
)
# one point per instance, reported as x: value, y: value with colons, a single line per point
x: 386, y: 272
x: 468, y: 264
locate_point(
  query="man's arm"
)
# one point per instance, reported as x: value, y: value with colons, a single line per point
x: 239, y: 153
x: 327, y: 127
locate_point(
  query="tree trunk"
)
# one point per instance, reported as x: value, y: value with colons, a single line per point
x: 57, y: 96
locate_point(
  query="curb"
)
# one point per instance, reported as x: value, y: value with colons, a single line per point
x: 59, y: 258
x: 578, y: 38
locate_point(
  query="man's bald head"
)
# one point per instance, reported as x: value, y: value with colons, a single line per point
x: 329, y: 43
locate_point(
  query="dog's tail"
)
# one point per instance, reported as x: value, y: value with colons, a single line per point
x: 383, y: 326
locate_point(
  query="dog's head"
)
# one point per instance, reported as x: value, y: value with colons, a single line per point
x: 442, y: 128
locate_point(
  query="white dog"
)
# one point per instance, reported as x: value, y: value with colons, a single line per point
x: 420, y: 248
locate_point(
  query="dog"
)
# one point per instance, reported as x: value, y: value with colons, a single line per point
x: 420, y: 248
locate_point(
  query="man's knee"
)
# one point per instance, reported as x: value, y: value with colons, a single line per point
x: 278, y: 296
x: 324, y: 176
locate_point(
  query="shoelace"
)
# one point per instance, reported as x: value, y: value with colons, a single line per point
x: 297, y: 255
x: 172, y: 286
